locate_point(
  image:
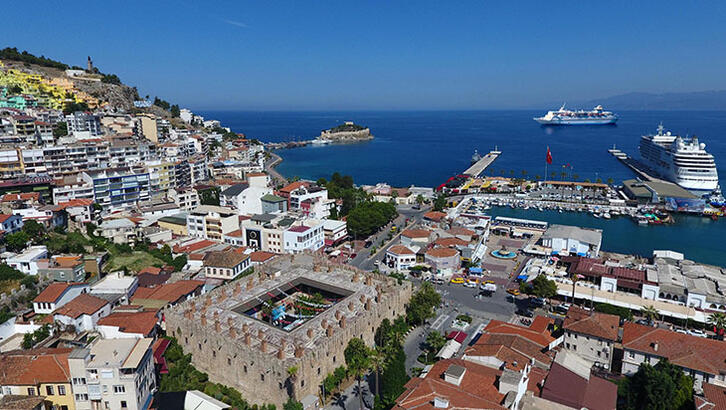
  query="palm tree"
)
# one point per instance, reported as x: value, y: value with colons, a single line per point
x: 553, y: 174
x: 524, y: 173
x: 575, y: 177
x: 563, y: 174
x: 587, y: 180
x: 434, y: 341
x: 267, y: 309
x: 650, y: 313
x: 718, y: 321
x: 610, y: 181
x: 378, y: 362
x: 538, y: 177
x: 598, y: 180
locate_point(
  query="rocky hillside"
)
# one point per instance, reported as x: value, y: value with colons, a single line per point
x: 106, y: 89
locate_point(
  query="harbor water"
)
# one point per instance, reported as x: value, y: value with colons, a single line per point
x: 426, y: 147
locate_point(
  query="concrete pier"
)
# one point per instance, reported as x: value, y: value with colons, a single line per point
x: 479, y: 166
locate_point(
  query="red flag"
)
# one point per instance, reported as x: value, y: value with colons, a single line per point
x: 549, y: 156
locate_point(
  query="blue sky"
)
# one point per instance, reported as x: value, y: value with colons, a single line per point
x: 383, y: 54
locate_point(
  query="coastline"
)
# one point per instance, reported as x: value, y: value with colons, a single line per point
x: 270, y: 167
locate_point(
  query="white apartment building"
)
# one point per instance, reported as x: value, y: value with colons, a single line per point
x: 211, y: 222
x: 304, y: 235
x: 247, y: 198
x: 312, y: 201
x: 83, y: 125
x: 186, y: 198
x: 113, y: 374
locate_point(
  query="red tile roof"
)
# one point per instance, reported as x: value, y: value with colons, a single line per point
x: 150, y: 270
x: 592, y: 323
x: 168, y: 292
x: 195, y: 246
x: 477, y: 390
x: 570, y: 389
x: 416, y: 233
x: 514, y: 351
x: 21, y: 197
x: 261, y: 256
x: 76, y: 202
x: 234, y: 234
x: 5, y: 217
x: 293, y: 186
x: 442, y: 252
x: 537, y: 332
x: 690, y: 352
x: 53, y: 292
x: 450, y: 242
x: 715, y: 397
x: 461, y: 231
x: 32, y: 367
x: 132, y: 322
x: 435, y: 216
x: 83, y: 304
x: 400, y: 250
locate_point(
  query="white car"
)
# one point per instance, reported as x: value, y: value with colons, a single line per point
x: 470, y: 284
x: 697, y: 332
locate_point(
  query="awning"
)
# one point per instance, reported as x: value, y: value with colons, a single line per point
x: 449, y: 349
x: 522, y: 277
x: 475, y: 271
x: 458, y: 336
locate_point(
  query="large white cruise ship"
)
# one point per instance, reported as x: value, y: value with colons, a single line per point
x: 596, y: 116
x: 680, y: 160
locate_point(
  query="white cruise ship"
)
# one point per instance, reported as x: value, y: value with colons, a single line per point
x: 680, y: 160
x: 596, y: 116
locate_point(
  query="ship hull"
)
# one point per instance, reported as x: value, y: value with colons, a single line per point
x: 604, y: 121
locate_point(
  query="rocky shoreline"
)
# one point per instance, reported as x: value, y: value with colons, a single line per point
x: 348, y: 132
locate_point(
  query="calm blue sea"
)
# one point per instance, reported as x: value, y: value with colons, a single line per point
x: 425, y: 148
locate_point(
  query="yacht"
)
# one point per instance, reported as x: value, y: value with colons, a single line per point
x: 683, y: 161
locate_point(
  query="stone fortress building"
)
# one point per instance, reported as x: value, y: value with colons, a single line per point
x: 297, y: 311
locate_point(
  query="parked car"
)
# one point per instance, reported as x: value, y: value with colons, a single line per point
x: 536, y: 302
x: 525, y: 312
x: 697, y: 332
x: 470, y: 284
x: 368, y: 244
x: 512, y: 291
x: 457, y: 281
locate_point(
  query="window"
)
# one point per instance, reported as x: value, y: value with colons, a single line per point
x: 106, y: 374
x: 229, y: 362
x: 31, y: 391
x: 79, y: 380
x: 631, y: 355
x: 8, y: 390
x: 262, y: 377
x: 119, y: 388
x: 123, y: 404
x: 81, y: 397
x: 61, y: 390
x: 49, y: 390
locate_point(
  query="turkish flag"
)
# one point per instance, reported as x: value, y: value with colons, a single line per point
x: 549, y: 156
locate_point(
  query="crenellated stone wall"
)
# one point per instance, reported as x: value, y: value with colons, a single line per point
x: 254, y: 357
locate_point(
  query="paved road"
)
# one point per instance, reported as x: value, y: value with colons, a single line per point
x: 364, y: 260
x: 270, y: 168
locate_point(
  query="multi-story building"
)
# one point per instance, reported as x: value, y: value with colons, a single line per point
x: 38, y: 372
x: 162, y: 177
x: 399, y: 258
x: 113, y: 374
x: 312, y: 201
x: 211, y: 222
x: 304, y: 235
x: 701, y: 358
x: 119, y: 187
x: 591, y: 335
x: 335, y: 231
x: 27, y: 261
x: 83, y: 125
x: 246, y: 198
x: 186, y: 198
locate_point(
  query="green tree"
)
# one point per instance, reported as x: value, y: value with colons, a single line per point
x: 358, y: 360
x: 440, y: 203
x: 610, y: 181
x: 378, y: 362
x: 543, y: 287
x: 422, y: 304
x: 434, y: 342
x: 623, y: 312
x: 663, y: 386
x: 393, y: 379
x: 33, y: 228
x: 17, y: 241
x: 175, y: 111
x: 419, y: 199
x: 60, y: 129
x: 209, y: 196
x: 27, y: 341
x: 292, y: 404
x: 650, y: 313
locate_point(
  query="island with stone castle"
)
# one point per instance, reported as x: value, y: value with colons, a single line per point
x: 347, y: 132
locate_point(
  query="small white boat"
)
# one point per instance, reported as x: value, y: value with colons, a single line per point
x: 596, y: 215
x: 606, y: 215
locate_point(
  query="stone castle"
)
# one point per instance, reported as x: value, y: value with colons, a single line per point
x: 236, y: 348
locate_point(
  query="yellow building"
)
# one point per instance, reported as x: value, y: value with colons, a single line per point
x: 176, y: 224
x: 41, y: 372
